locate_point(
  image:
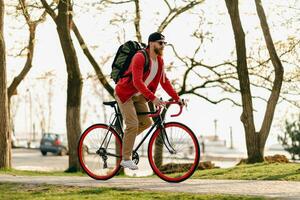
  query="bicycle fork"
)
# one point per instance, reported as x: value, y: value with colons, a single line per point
x: 166, y: 141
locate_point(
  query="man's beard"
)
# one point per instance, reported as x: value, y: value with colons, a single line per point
x: 158, y: 51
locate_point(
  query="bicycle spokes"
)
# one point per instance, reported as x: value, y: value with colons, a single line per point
x: 100, y: 151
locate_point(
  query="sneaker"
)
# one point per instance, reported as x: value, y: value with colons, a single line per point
x: 129, y: 164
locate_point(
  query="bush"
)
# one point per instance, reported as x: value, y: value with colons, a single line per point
x: 268, y: 159
x: 291, y: 139
x: 277, y: 159
x: 182, y: 167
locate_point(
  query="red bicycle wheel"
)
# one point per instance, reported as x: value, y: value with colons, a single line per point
x: 174, y: 152
x: 99, y: 151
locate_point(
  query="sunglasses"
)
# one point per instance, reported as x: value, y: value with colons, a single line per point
x: 162, y: 43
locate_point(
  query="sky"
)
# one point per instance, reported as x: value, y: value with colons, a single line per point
x: 102, y: 39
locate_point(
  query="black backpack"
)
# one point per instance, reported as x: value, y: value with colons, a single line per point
x: 123, y: 59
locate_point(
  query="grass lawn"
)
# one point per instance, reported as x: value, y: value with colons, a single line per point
x: 39, y: 173
x: 261, y: 171
x: 11, y: 191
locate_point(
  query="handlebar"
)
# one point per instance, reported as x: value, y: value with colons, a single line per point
x: 159, y: 108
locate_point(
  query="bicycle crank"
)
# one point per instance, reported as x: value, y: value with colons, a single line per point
x: 103, y: 154
x: 135, y: 157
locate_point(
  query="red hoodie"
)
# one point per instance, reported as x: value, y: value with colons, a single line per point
x: 134, y: 83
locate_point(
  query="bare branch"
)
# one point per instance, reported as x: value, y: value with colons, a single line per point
x: 216, y: 101
x: 100, y: 75
x: 42, y: 18
x: 30, y: 47
x: 116, y: 2
x: 25, y: 11
x: 294, y: 103
x: 177, y: 55
x: 175, y: 12
x: 49, y: 10
x: 169, y: 6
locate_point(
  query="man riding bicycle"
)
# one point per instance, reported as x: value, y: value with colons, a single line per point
x: 137, y: 87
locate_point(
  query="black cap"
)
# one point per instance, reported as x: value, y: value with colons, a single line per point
x: 155, y: 36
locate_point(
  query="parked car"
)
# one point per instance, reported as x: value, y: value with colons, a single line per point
x: 54, y: 143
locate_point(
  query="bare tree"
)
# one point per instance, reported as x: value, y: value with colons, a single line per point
x: 255, y: 140
x: 64, y: 23
x: 32, y: 25
x: 5, y: 149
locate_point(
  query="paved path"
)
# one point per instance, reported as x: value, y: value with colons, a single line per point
x: 278, y: 189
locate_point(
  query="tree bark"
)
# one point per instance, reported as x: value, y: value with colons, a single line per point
x: 5, y: 149
x: 277, y: 83
x: 137, y: 20
x: 252, y: 137
x: 74, y: 88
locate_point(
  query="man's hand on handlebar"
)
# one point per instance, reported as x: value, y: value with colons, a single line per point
x: 158, y: 102
x: 182, y: 102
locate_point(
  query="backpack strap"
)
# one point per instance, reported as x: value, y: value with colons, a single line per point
x: 147, y: 60
x: 146, y: 65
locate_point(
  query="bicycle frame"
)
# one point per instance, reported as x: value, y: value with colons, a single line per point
x: 158, y: 123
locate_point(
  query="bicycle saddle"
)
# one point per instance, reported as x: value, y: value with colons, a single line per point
x: 110, y: 103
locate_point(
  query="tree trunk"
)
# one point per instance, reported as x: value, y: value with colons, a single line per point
x: 255, y: 140
x: 277, y: 83
x: 5, y: 148
x: 255, y: 154
x: 137, y: 20
x: 74, y: 88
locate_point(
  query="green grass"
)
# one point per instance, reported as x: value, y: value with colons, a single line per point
x: 261, y: 171
x: 11, y: 191
x: 15, y: 172
x: 39, y: 173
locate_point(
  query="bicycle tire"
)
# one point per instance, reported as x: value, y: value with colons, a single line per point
x: 181, y: 163
x: 91, y: 161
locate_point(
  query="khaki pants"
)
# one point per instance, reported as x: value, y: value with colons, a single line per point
x: 135, y: 124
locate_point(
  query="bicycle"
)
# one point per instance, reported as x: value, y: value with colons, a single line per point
x: 173, y: 149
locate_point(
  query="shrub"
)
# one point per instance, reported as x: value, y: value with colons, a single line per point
x: 291, y: 139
